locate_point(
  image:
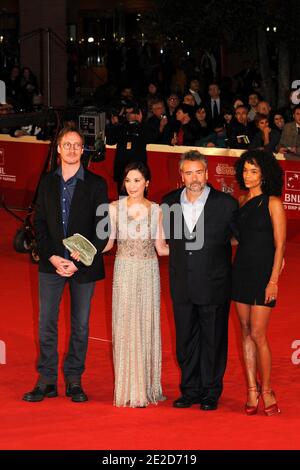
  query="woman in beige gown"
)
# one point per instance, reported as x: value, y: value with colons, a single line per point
x: 136, y: 223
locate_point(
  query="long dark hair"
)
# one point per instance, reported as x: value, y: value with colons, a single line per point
x: 138, y: 166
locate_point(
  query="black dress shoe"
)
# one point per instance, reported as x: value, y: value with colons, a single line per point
x: 185, y: 402
x: 75, y: 391
x: 40, y: 392
x: 209, y: 404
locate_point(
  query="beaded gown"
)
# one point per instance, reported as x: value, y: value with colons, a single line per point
x: 136, y: 309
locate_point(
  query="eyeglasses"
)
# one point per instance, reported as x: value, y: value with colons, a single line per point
x: 68, y: 146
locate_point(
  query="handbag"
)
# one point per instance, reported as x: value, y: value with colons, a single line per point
x: 86, y: 249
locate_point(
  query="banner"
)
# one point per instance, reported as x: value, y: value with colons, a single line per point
x: 21, y: 163
x: 165, y: 177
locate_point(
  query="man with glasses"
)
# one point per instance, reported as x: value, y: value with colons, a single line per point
x: 67, y: 203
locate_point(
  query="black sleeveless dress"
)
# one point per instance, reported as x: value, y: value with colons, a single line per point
x: 254, y: 258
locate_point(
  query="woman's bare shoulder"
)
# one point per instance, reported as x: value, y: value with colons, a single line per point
x: 275, y: 202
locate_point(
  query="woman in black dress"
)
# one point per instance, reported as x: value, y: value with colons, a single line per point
x: 257, y: 266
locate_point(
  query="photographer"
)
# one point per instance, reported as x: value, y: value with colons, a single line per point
x: 130, y: 137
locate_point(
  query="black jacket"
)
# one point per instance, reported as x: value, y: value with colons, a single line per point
x: 88, y: 195
x: 202, y: 275
x: 131, y: 140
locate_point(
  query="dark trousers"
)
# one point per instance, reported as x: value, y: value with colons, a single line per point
x: 201, y: 348
x: 51, y: 287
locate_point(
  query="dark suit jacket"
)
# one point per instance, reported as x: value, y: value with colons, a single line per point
x: 214, y: 121
x: 88, y: 195
x: 154, y: 135
x: 203, y: 275
x: 258, y: 141
x: 191, y: 131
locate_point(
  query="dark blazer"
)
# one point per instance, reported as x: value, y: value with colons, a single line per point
x: 214, y: 121
x: 203, y: 275
x: 258, y: 141
x: 191, y: 131
x: 154, y: 135
x: 88, y: 195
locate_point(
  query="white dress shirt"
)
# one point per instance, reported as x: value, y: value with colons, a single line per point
x: 193, y: 210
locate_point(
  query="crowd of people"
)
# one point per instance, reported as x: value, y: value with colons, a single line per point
x: 22, y: 89
x: 195, y: 226
x: 195, y: 110
x: 197, y: 120
x: 211, y: 120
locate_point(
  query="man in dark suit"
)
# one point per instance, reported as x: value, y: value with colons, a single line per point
x: 290, y: 137
x: 131, y: 139
x: 68, y: 202
x: 214, y: 107
x: 201, y: 223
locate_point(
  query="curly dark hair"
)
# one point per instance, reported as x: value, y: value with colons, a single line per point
x: 272, y: 174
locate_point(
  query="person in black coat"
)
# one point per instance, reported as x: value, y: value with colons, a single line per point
x: 70, y: 200
x: 241, y: 131
x: 131, y: 138
x: 199, y: 222
x: 266, y: 138
x: 158, y: 127
x: 187, y: 129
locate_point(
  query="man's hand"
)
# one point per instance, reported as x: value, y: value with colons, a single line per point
x: 266, y: 130
x: 175, y: 139
x: 64, y: 267
x: 163, y: 123
x: 287, y: 150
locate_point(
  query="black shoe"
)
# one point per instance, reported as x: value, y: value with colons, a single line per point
x: 75, y: 391
x: 185, y: 402
x: 40, y: 392
x: 209, y: 404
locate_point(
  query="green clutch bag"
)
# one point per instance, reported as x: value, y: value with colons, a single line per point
x: 81, y: 244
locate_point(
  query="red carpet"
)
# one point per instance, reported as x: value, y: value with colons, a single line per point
x: 60, y: 424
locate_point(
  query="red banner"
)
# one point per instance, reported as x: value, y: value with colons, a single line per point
x: 163, y: 162
x: 21, y: 163
x: 22, y: 160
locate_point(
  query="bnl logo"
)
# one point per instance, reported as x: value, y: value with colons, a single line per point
x: 292, y: 180
x: 2, y: 352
